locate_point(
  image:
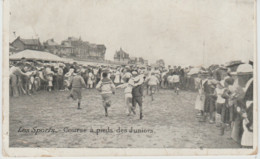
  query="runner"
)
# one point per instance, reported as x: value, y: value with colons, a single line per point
x: 77, y: 83
x: 137, y: 93
x: 152, y: 82
x: 106, y: 88
x: 128, y: 95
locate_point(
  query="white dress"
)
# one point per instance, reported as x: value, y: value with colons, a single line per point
x: 90, y: 76
x: 117, y: 77
x: 199, y: 104
x: 247, y: 137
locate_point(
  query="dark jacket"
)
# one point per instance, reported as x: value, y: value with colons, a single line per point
x: 137, y: 91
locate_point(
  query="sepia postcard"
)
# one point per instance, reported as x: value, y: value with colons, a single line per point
x: 129, y: 78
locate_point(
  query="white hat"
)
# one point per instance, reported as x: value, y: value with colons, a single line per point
x: 69, y: 73
x: 138, y: 80
x: 244, y: 69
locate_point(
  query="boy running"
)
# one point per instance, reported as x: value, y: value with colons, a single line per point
x: 137, y: 92
x: 152, y: 83
x: 106, y: 87
x: 76, y: 85
x: 128, y: 95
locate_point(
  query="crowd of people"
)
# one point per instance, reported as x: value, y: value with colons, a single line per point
x: 225, y: 93
x: 28, y: 77
x: 225, y: 98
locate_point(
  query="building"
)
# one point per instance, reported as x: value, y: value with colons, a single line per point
x: 12, y: 49
x: 121, y: 56
x: 52, y: 46
x: 82, y: 50
x: 23, y: 44
x: 137, y: 61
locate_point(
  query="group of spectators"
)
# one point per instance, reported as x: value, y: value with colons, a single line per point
x: 28, y: 77
x: 226, y: 99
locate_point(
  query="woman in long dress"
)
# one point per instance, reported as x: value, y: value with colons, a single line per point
x: 117, y: 77
x: 199, y: 104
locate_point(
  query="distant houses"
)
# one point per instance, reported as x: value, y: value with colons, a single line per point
x: 121, y: 56
x: 71, y: 48
x: 23, y: 44
x: 51, y: 46
x: 78, y: 49
x: 74, y: 48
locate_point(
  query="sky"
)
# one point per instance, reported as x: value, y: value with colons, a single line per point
x: 181, y: 32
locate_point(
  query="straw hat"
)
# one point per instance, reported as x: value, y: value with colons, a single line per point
x: 134, y: 73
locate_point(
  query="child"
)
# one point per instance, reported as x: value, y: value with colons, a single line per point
x: 49, y: 77
x: 137, y: 93
x: 68, y: 78
x: 76, y: 85
x: 106, y: 87
x: 220, y: 103
x: 176, y: 81
x: 31, y: 79
x: 91, y: 79
x: 128, y: 95
x: 200, y: 100
x: 37, y: 81
x: 152, y: 83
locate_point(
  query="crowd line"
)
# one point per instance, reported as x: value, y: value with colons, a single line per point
x: 225, y: 93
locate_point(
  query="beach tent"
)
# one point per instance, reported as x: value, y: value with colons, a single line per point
x: 35, y: 55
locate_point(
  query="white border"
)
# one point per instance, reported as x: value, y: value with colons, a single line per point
x: 45, y: 152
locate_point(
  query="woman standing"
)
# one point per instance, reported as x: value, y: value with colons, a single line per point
x: 117, y: 77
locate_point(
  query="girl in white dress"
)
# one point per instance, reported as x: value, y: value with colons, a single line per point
x: 200, y: 100
x: 117, y: 77
x: 199, y: 104
x: 220, y: 104
x: 91, y: 79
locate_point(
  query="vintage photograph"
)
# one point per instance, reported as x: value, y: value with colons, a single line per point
x: 117, y: 74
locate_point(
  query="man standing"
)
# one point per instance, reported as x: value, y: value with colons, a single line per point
x: 59, y: 77
x: 15, y: 73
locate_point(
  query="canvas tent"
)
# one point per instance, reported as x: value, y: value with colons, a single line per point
x: 35, y: 55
